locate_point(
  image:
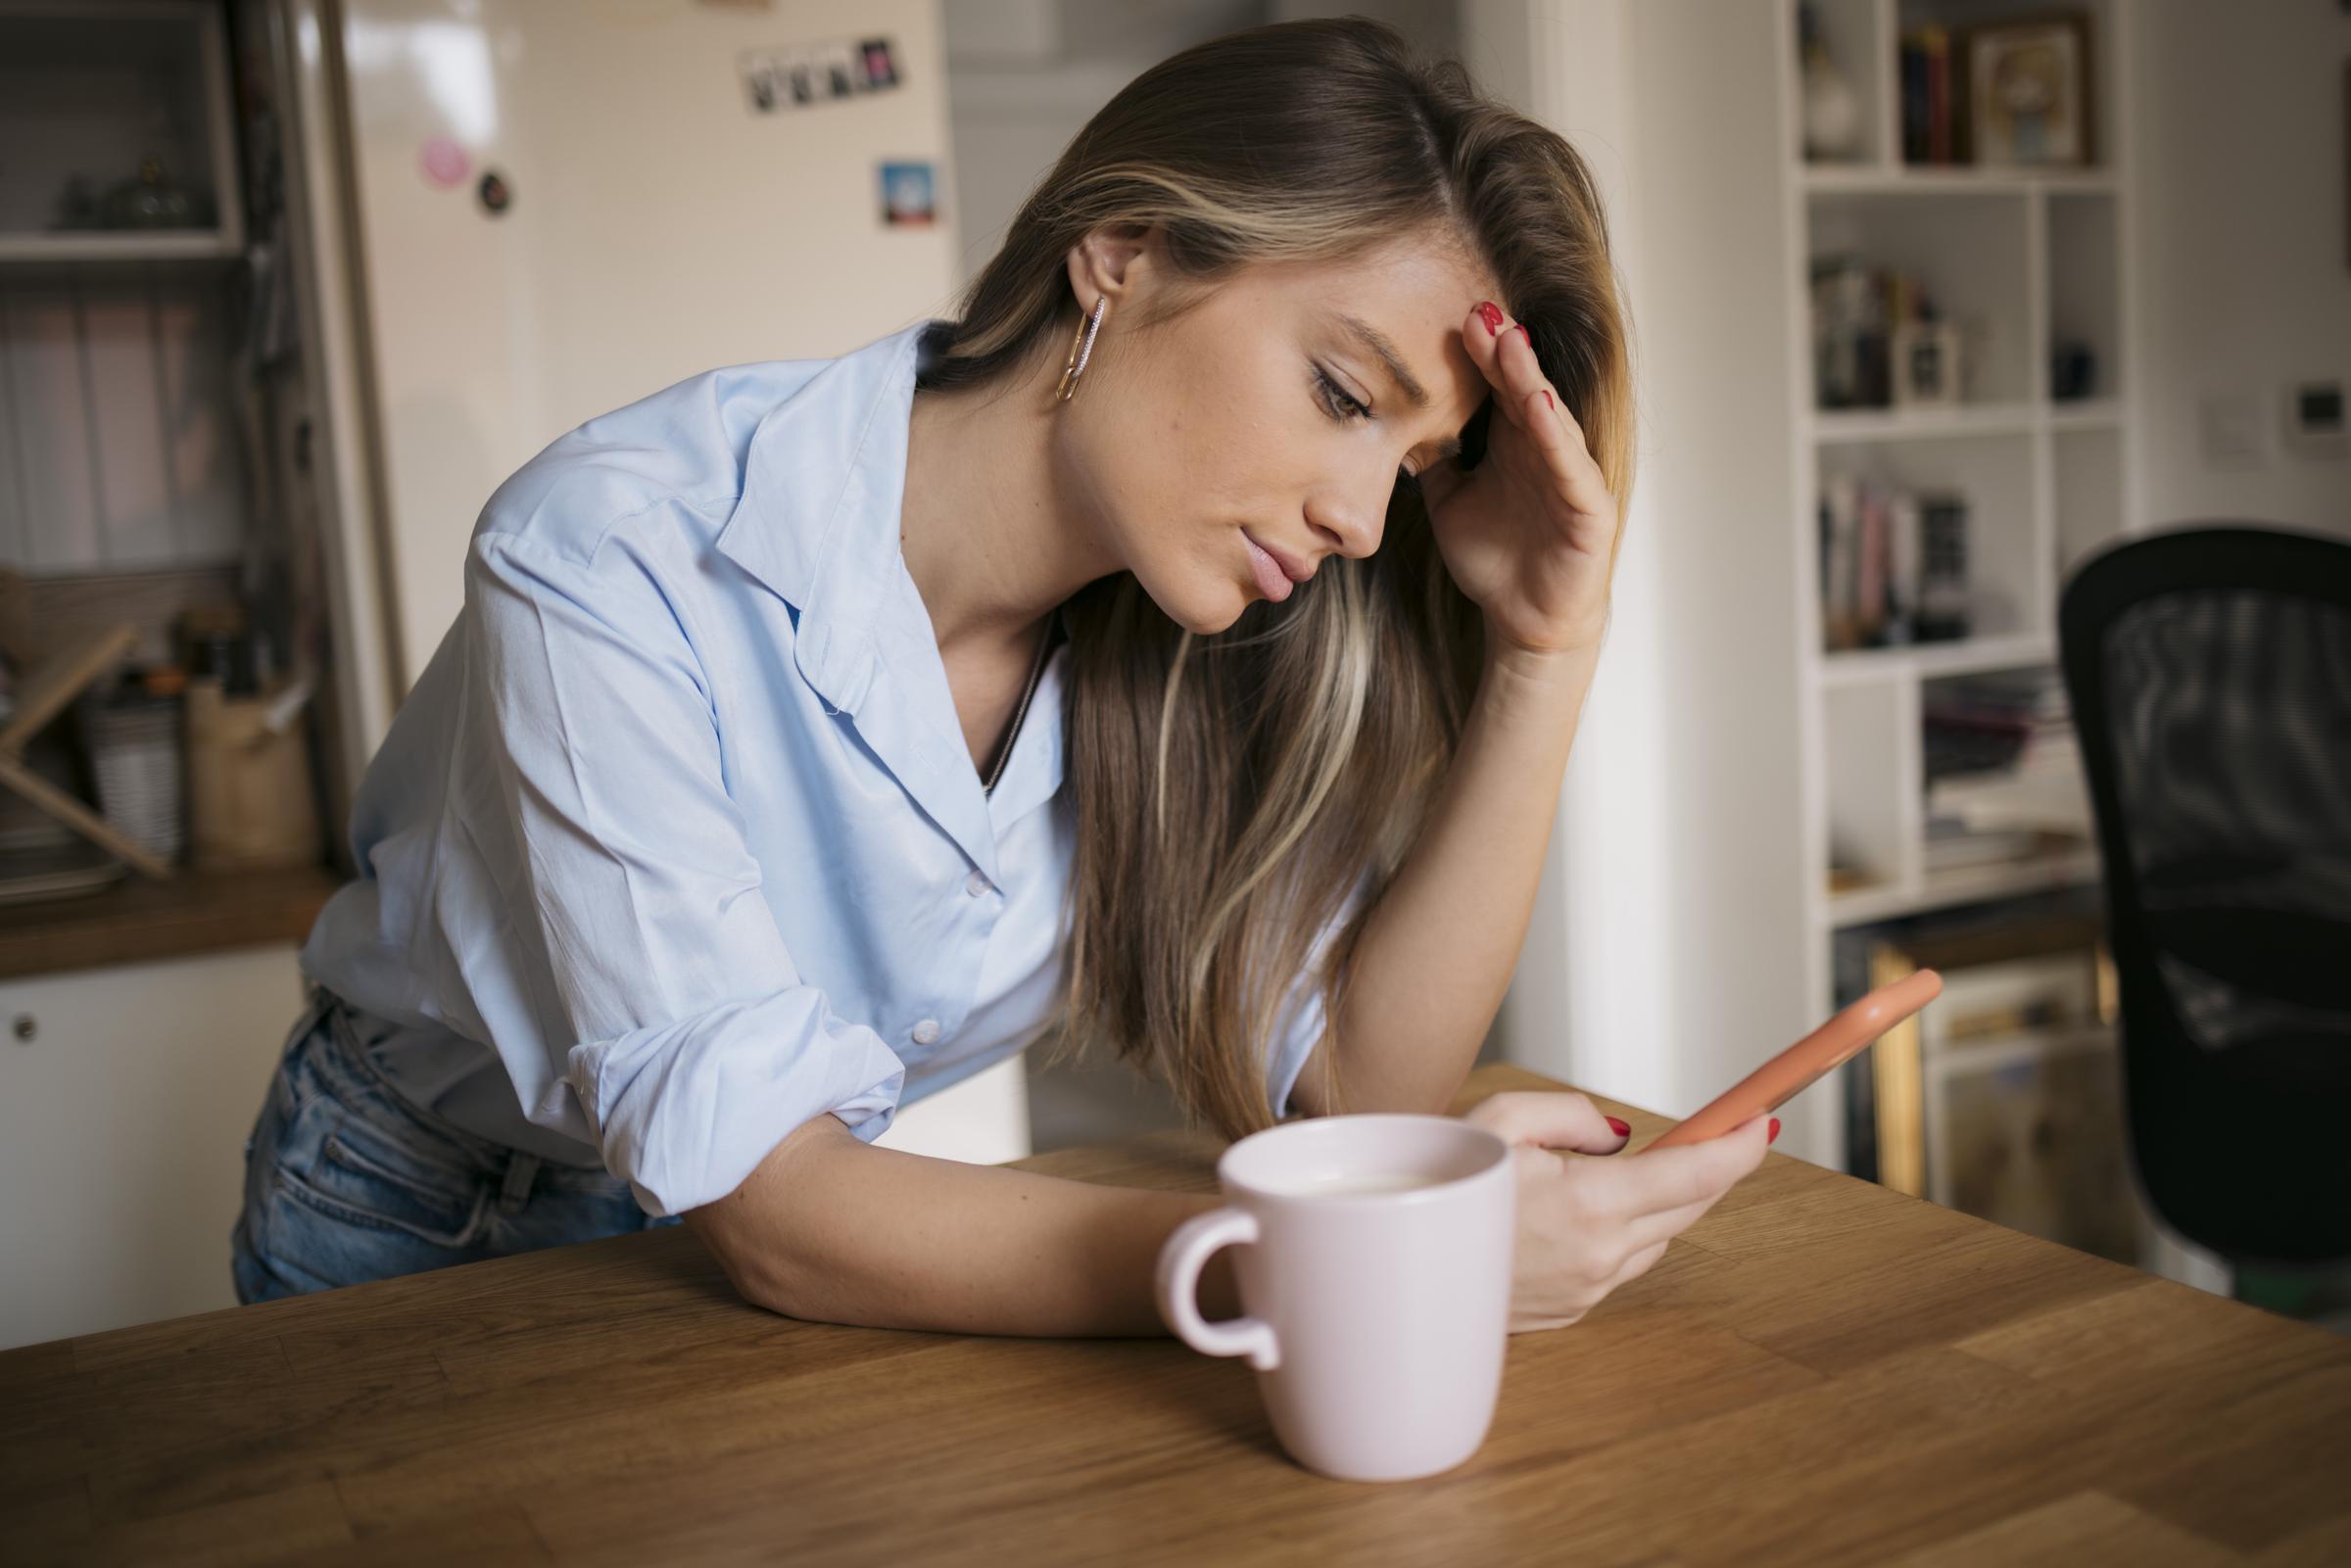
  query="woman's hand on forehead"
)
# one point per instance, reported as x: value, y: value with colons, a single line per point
x: 1530, y: 533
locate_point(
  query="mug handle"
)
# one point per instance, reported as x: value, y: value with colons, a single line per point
x: 1180, y: 1260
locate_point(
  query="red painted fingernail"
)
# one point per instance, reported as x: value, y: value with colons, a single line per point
x: 1520, y: 329
x: 1547, y: 402
x: 1775, y: 1130
x: 1622, y: 1129
x: 1490, y: 315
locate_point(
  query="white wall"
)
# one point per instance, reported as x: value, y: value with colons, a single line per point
x: 1667, y: 952
x: 2245, y: 288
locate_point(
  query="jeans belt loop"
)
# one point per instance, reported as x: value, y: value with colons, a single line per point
x: 521, y: 1171
x: 315, y: 1003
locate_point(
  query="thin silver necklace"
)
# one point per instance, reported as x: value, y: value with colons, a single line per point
x: 1036, y: 670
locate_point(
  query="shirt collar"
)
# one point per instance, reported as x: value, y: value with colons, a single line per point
x: 817, y: 522
x: 818, y: 517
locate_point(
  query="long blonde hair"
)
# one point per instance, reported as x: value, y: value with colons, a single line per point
x: 1230, y: 792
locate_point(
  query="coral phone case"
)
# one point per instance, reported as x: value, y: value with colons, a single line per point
x: 1781, y: 1078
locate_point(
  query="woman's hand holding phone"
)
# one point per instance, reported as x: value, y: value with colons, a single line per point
x: 1586, y: 1227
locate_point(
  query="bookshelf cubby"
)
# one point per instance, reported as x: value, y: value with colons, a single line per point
x: 1996, y: 473
x: 1968, y: 247
x: 2023, y: 261
x: 2082, y: 261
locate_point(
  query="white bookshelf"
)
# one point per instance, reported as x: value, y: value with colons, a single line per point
x: 2020, y: 256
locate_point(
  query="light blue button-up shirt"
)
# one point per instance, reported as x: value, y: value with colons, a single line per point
x: 679, y: 827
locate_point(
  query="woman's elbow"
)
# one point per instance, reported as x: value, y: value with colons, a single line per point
x: 756, y: 1270
x: 750, y: 1231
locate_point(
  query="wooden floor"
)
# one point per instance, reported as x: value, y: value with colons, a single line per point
x: 1821, y: 1373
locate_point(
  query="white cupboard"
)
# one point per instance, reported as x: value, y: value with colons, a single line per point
x: 125, y: 1097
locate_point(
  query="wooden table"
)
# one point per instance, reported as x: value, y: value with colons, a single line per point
x: 1821, y: 1372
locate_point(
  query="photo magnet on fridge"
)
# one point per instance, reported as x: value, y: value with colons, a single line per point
x: 908, y: 194
x: 799, y: 75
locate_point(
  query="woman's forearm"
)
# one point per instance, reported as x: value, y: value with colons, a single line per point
x: 1438, y: 950
x: 835, y: 1230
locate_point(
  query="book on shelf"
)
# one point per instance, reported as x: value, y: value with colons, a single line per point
x: 1928, y: 102
x: 1893, y: 564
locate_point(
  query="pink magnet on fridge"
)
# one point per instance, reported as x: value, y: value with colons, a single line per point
x: 444, y: 163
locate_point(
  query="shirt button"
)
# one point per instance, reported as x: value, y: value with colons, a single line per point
x: 976, y: 883
x: 926, y: 1031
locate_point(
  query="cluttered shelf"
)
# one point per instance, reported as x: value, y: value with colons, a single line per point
x: 2001, y: 808
x: 138, y: 920
x: 157, y: 794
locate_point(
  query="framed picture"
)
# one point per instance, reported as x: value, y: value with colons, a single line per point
x: 2028, y: 92
x: 1926, y: 364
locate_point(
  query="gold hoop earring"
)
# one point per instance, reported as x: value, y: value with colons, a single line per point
x: 1082, y: 349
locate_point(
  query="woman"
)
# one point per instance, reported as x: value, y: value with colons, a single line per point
x: 1181, y: 647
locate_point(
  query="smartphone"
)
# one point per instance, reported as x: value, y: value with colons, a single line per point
x: 1780, y: 1079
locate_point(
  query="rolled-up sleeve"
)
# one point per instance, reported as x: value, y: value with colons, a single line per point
x: 1302, y: 1016
x: 661, y: 992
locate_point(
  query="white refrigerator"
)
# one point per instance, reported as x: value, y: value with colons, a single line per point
x: 514, y: 215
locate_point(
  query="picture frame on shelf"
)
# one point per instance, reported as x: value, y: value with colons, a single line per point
x: 1927, y: 364
x: 2028, y: 92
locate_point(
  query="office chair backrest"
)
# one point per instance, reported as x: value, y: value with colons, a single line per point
x: 2210, y: 676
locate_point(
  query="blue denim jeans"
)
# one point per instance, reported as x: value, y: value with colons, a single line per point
x: 346, y: 1181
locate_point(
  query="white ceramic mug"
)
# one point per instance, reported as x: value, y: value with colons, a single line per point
x: 1377, y: 1316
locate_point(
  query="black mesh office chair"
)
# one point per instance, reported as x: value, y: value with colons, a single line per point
x: 2210, y: 675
